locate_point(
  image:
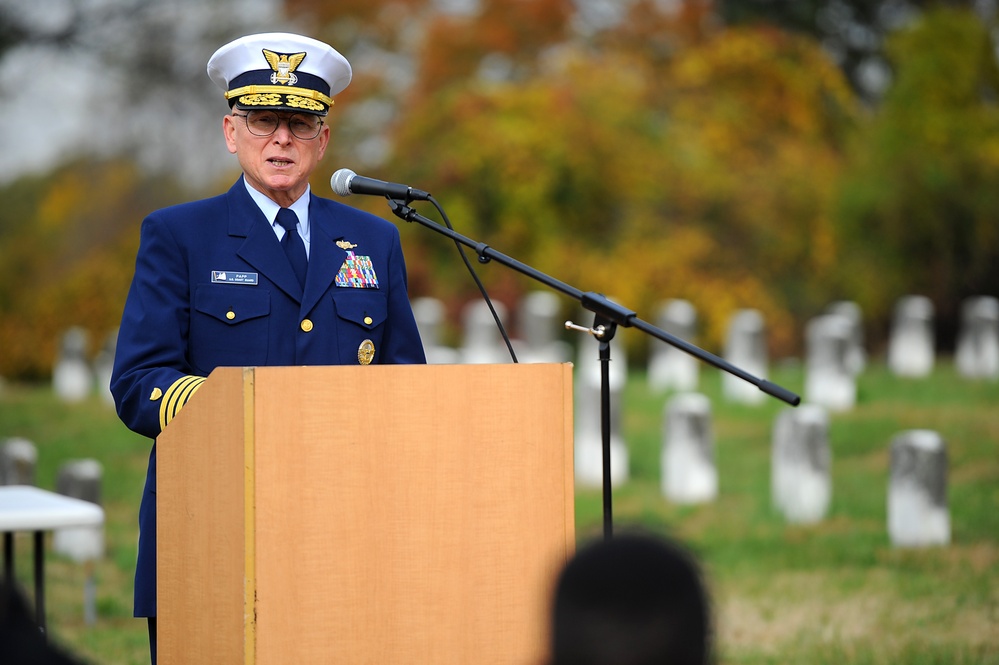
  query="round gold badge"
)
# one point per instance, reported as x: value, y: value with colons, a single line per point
x: 366, y: 352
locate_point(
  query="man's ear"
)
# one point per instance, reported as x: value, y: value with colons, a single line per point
x: 229, y: 131
x: 324, y: 139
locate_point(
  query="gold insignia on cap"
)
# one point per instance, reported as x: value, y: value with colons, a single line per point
x: 366, y: 352
x: 260, y: 100
x: 297, y: 102
x: 283, y: 65
x: 157, y: 393
x: 272, y: 95
x: 344, y: 244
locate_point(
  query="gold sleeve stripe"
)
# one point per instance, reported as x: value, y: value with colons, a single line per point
x: 172, y: 396
x: 187, y: 393
x: 279, y: 89
x: 183, y: 392
x: 171, y: 402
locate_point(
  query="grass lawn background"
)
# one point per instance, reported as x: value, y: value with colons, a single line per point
x: 835, y: 592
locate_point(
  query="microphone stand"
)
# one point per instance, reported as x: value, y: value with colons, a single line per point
x: 608, y: 316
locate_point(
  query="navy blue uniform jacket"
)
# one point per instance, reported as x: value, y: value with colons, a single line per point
x: 213, y: 287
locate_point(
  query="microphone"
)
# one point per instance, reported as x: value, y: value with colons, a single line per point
x: 345, y: 182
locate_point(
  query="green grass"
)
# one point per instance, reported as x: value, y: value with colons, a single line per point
x: 836, y: 592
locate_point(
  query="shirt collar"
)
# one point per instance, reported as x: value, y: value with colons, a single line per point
x: 270, y: 208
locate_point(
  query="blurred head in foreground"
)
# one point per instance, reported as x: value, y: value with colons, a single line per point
x: 631, y: 600
x: 21, y: 641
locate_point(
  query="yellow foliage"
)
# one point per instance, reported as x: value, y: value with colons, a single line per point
x: 68, y: 259
x: 708, y: 178
x: 62, y: 202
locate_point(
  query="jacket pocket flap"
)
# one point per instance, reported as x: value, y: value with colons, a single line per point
x: 231, y: 304
x: 365, y: 308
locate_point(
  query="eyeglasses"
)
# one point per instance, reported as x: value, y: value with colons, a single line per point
x: 264, y: 123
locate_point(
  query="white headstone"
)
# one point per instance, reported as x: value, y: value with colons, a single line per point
x: 588, y: 438
x: 918, y: 514
x: 829, y: 378
x: 687, y: 463
x: 669, y: 367
x: 72, y: 377
x: 540, y: 323
x: 746, y: 348
x: 103, y: 366
x: 977, y: 354
x: 800, y: 480
x: 483, y: 342
x: 80, y: 479
x: 857, y: 355
x: 911, y: 343
x: 18, y: 459
x: 430, y: 315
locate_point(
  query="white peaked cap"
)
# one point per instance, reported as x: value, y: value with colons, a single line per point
x: 279, y: 71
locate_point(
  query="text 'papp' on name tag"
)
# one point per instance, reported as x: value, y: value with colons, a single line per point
x: 234, y: 277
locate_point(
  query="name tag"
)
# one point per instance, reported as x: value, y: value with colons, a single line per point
x: 232, y: 277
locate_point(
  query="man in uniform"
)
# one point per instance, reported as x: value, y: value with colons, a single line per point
x: 265, y: 274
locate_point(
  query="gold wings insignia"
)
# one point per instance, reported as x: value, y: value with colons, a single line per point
x: 275, y: 60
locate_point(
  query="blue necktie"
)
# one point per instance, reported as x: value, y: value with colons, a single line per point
x: 292, y: 243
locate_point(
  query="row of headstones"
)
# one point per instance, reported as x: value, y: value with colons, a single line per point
x: 834, y: 340
x: 80, y: 479
x: 834, y: 343
x: 801, y: 468
x: 482, y: 343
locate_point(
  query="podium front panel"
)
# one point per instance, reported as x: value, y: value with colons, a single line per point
x: 393, y: 514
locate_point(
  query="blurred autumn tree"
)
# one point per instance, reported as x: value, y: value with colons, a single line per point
x: 920, y: 200
x: 66, y: 256
x: 853, y: 32
x: 701, y: 149
x: 706, y: 175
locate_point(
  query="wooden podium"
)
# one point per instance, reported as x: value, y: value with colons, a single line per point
x: 380, y: 514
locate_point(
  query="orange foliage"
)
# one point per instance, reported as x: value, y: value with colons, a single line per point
x: 707, y: 177
x: 519, y: 30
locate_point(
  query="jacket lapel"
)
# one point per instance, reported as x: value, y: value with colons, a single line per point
x: 325, y: 258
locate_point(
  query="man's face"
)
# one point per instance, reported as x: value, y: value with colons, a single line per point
x: 278, y: 165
